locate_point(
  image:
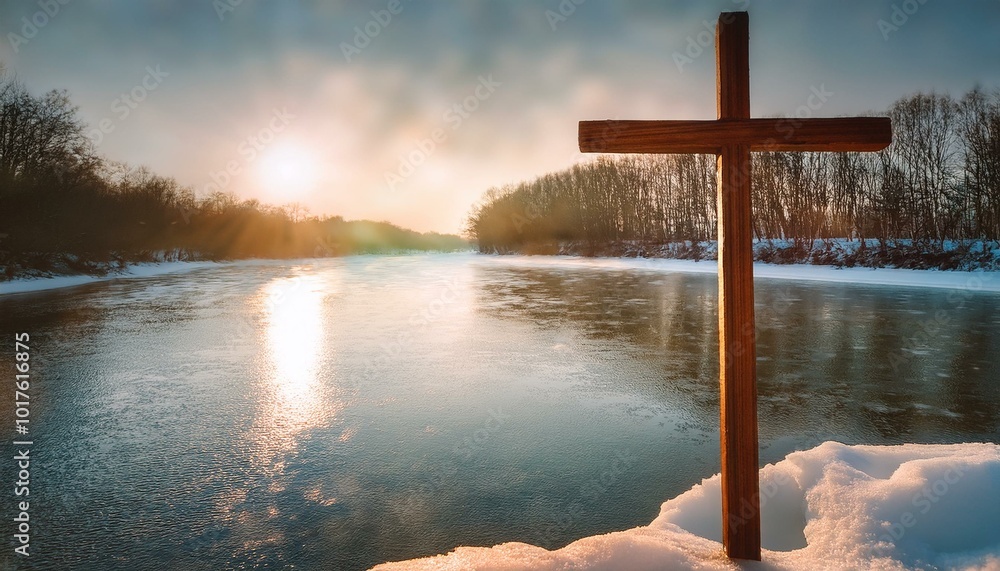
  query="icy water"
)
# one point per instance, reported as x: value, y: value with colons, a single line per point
x: 334, y: 414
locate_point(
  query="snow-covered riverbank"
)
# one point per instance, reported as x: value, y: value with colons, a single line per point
x: 969, y: 281
x: 974, y: 255
x: 988, y: 281
x: 133, y: 271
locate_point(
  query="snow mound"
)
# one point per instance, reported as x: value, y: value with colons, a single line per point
x: 838, y: 507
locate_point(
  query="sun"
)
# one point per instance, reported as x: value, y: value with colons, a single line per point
x: 288, y: 170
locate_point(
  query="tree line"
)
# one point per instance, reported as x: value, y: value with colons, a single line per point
x: 938, y: 181
x: 61, y: 204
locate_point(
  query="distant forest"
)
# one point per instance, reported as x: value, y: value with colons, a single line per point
x: 63, y: 208
x: 938, y: 183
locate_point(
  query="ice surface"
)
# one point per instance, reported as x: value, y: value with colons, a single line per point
x: 900, y: 507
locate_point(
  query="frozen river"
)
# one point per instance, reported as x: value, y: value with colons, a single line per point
x: 338, y: 413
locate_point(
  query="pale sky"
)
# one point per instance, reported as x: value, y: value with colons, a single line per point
x: 302, y: 108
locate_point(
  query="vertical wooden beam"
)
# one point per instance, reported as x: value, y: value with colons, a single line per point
x: 737, y: 354
x: 732, y: 62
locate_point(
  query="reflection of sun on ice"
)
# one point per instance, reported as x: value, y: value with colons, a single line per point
x: 291, y: 398
x: 288, y: 170
x: 295, y: 338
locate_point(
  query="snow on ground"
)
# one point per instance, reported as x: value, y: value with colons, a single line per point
x: 840, y: 507
x: 972, y: 281
x: 133, y: 271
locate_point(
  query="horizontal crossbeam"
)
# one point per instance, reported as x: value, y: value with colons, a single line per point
x: 708, y: 137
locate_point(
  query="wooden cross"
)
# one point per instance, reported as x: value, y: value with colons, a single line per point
x: 731, y: 138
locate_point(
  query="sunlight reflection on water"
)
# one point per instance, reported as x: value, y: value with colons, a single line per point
x: 294, y: 337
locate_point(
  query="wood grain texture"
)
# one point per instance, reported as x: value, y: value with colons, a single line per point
x: 737, y: 359
x: 708, y: 137
x: 737, y: 352
x: 732, y: 65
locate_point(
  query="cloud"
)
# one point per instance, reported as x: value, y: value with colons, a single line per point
x: 359, y: 117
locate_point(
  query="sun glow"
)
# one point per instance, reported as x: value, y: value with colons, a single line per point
x: 288, y: 170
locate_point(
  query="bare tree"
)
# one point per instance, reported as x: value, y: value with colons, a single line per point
x: 41, y: 138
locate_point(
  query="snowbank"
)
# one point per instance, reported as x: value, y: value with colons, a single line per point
x: 133, y: 271
x: 838, y: 252
x: 968, y: 281
x: 833, y: 507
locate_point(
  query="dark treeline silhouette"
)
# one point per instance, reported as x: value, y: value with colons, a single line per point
x: 64, y: 208
x: 938, y: 182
